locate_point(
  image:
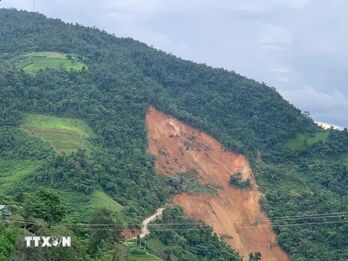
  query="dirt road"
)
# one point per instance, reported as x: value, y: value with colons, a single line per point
x: 145, y: 224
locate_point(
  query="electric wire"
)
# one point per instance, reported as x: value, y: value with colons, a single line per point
x: 176, y: 226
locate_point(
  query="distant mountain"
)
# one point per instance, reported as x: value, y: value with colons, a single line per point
x: 74, y: 149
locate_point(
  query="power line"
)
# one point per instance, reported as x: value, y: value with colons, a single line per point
x: 276, y: 218
x: 260, y: 219
x: 239, y: 227
x: 238, y: 224
x: 206, y: 227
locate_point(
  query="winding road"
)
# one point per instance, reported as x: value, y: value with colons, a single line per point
x: 144, y: 226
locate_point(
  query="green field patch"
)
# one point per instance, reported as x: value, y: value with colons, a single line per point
x: 82, y: 207
x: 13, y: 172
x: 305, y: 141
x: 35, y: 61
x: 100, y: 199
x: 64, y: 134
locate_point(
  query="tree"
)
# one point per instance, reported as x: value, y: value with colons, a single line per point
x: 45, y: 204
x: 236, y: 180
x: 255, y: 256
x: 105, y: 229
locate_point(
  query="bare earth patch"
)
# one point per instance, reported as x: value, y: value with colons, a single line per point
x: 235, y: 214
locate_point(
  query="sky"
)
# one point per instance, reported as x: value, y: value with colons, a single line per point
x: 300, y: 47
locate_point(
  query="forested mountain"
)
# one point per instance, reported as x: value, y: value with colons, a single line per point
x: 98, y: 100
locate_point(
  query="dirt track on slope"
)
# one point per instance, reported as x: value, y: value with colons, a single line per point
x: 145, y: 225
x: 234, y: 214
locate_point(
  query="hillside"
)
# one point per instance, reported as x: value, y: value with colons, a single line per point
x: 234, y: 213
x: 76, y: 139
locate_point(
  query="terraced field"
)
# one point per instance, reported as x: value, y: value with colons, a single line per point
x: 35, y: 61
x: 64, y: 134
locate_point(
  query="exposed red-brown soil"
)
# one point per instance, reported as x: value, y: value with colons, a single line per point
x: 130, y: 234
x: 235, y: 214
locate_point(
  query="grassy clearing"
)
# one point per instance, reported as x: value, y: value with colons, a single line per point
x: 82, y: 206
x: 99, y: 199
x: 35, y: 61
x: 12, y: 172
x: 64, y: 134
x: 52, y: 122
x: 303, y: 141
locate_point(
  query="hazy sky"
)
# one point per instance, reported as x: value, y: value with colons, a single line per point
x: 298, y: 46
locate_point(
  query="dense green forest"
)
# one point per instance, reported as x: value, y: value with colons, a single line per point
x: 301, y: 169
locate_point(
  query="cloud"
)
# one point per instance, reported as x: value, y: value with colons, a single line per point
x: 280, y: 69
x: 275, y: 37
x: 134, y: 8
x: 284, y: 80
x: 329, y: 105
x: 132, y: 5
x: 326, y: 100
x: 266, y: 5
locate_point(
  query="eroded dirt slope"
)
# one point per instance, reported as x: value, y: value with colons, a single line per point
x: 233, y: 213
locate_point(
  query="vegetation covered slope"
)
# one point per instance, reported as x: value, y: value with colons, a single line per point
x: 123, y: 79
